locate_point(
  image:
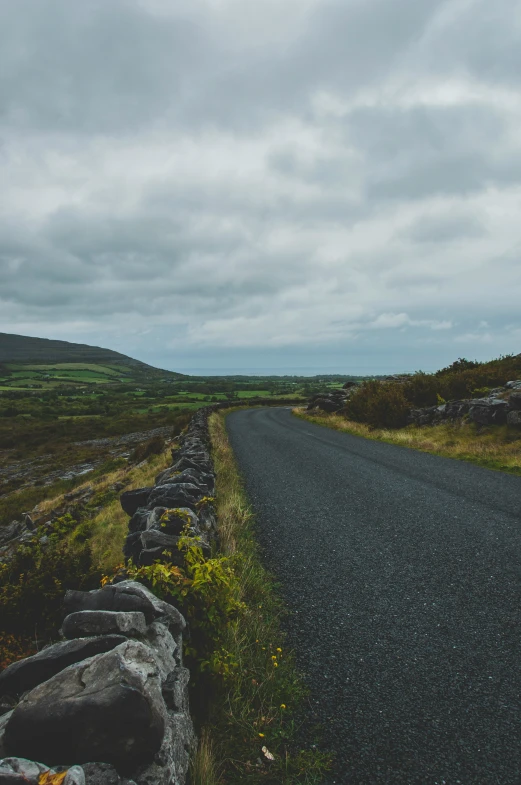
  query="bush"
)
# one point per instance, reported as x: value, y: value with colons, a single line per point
x: 207, y: 592
x: 382, y: 405
x: 33, y: 582
x: 154, y: 446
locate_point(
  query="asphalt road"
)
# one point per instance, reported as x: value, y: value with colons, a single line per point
x: 402, y: 574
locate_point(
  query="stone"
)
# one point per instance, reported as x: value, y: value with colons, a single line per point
x: 12, y: 531
x: 109, y: 708
x: 165, y: 612
x: 488, y: 411
x: 514, y: 418
x: 3, y: 723
x: 515, y: 400
x: 132, y: 546
x: 107, y: 599
x: 173, y: 521
x: 131, y: 501
x: 149, y: 556
x: 83, y: 623
x: 138, y: 522
x: 176, y: 495
x: 184, y: 462
x: 153, y: 538
x: 203, y: 481
x: 175, y: 690
x: 103, y: 774
x: 514, y: 384
x: 28, y: 673
x: 19, y: 771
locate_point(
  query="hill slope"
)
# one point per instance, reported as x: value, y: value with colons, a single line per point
x: 21, y: 349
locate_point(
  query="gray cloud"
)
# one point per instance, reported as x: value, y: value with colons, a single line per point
x: 312, y: 182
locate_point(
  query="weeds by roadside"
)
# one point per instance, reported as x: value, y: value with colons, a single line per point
x: 494, y: 447
x: 71, y: 553
x: 252, y: 720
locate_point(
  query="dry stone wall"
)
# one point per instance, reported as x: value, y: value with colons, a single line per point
x: 108, y: 704
x: 501, y: 406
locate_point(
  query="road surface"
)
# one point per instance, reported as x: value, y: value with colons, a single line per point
x: 402, y: 574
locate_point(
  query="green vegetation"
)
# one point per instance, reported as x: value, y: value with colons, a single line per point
x: 386, y: 404
x: 73, y: 551
x: 494, y: 446
x: 51, y: 415
x: 252, y: 717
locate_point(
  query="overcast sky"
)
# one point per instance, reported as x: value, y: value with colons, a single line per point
x: 271, y: 184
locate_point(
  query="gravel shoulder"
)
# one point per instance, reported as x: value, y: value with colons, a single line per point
x: 401, y: 572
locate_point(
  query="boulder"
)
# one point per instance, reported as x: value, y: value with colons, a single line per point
x: 109, y: 708
x: 176, y: 495
x: 153, y: 538
x: 103, y: 774
x: 83, y: 623
x: 165, y: 613
x: 203, y: 481
x: 515, y: 400
x: 173, y: 521
x: 138, y: 522
x: 19, y: 771
x: 131, y: 501
x: 514, y: 417
x: 149, y: 556
x: 132, y: 547
x: 107, y: 599
x: 488, y: 411
x: 184, y: 462
x: 514, y: 384
x: 28, y: 673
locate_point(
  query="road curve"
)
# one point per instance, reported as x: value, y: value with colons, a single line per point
x: 401, y: 571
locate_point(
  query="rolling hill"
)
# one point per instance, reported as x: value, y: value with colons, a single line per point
x: 22, y: 349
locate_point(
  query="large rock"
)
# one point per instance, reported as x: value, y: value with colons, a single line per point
x: 109, y: 598
x: 28, y: 673
x: 200, y: 479
x: 138, y: 522
x: 131, y: 501
x: 83, y: 623
x: 154, y: 538
x: 103, y: 774
x: 165, y: 613
x: 514, y: 418
x: 19, y: 771
x: 173, y: 521
x: 176, y: 495
x: 109, y: 708
x: 133, y: 546
x: 488, y: 411
x: 185, y: 462
x: 515, y: 400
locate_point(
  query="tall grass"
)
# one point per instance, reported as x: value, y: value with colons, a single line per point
x: 494, y: 447
x: 251, y: 733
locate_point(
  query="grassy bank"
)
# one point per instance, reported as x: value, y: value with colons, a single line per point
x: 73, y: 552
x: 494, y: 447
x: 252, y: 729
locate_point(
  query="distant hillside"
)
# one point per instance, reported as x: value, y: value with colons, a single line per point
x: 22, y: 349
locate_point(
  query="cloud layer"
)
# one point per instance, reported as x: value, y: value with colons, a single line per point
x: 281, y: 183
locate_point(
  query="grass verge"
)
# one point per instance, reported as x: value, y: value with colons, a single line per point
x: 253, y: 724
x: 493, y: 447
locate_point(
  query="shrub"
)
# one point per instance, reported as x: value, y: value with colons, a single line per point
x: 154, y: 446
x: 379, y: 404
x: 207, y: 592
x: 33, y: 582
x: 421, y: 390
